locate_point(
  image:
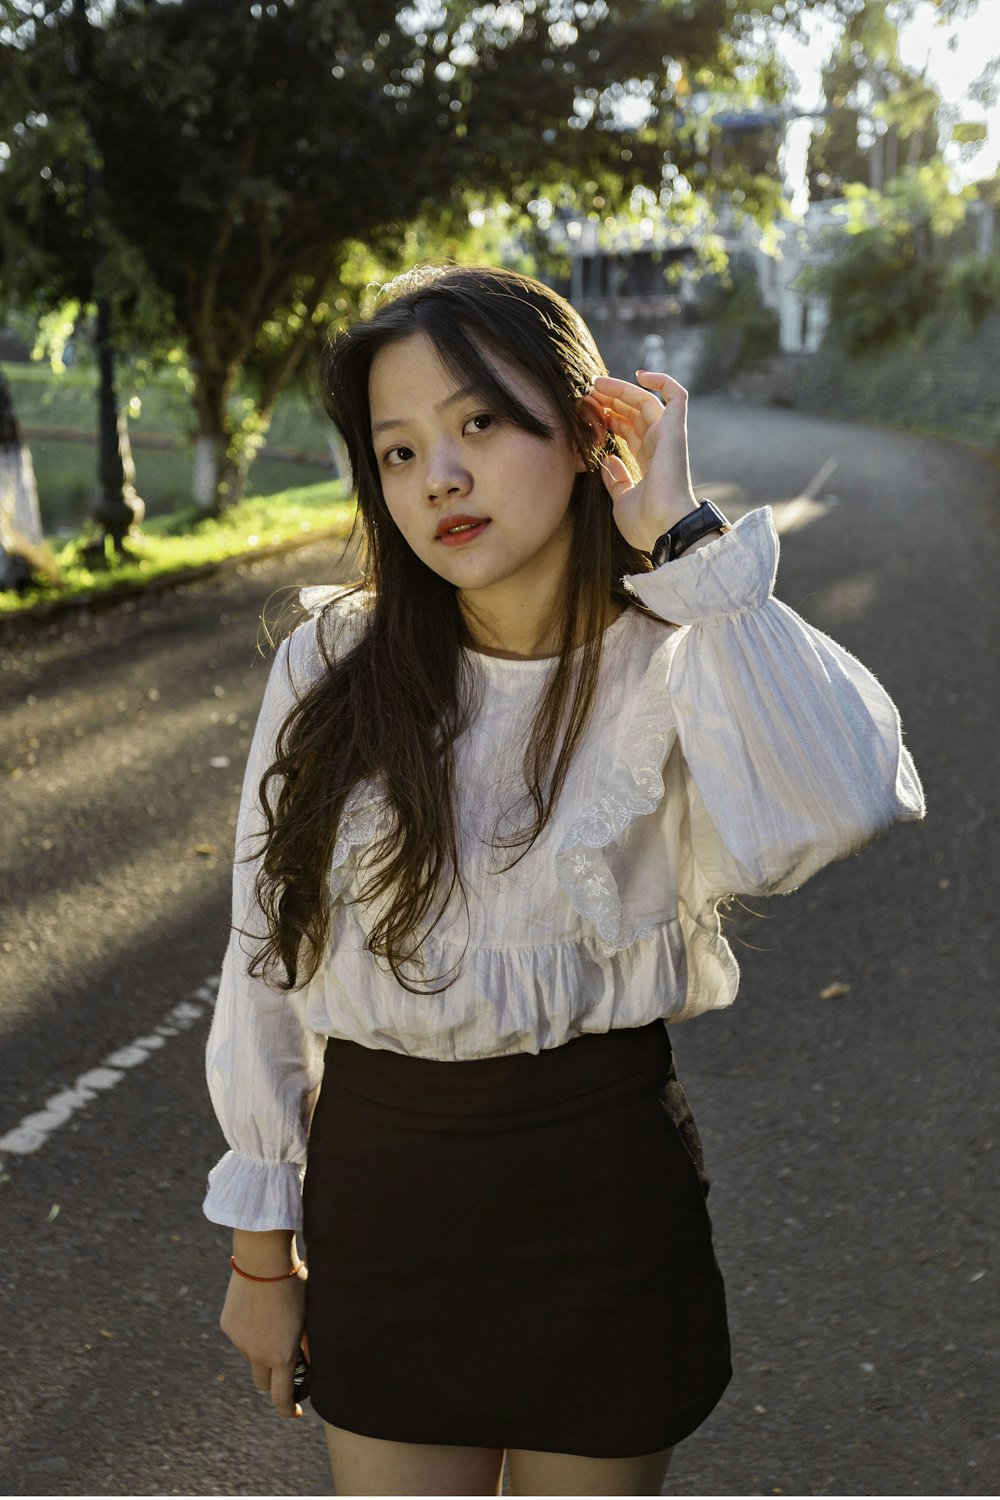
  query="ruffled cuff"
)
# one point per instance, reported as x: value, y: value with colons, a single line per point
x: 247, y: 1194
x: 731, y: 575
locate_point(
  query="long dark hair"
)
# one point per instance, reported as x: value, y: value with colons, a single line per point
x: 391, y: 706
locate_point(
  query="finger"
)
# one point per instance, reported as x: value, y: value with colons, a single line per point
x: 639, y: 418
x: 617, y: 479
x: 283, y: 1391
x: 665, y: 384
x: 627, y: 430
x: 261, y: 1376
x: 624, y: 409
x: 625, y: 421
x: 625, y: 391
x: 644, y: 408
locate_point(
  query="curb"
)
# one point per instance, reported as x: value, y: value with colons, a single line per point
x: 107, y: 598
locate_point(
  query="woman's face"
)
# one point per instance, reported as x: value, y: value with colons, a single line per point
x: 441, y: 453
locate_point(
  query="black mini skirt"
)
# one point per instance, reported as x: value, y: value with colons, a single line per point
x: 513, y: 1252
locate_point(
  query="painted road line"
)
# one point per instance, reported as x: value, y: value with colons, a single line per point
x: 35, y: 1129
x: 790, y: 515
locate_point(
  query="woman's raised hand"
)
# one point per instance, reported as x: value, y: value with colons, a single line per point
x: 656, y: 433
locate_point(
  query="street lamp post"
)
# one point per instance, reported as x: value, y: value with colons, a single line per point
x: 117, y: 508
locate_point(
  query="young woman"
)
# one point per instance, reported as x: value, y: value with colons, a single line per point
x: 495, y: 794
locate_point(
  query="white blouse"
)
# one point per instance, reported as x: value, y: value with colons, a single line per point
x: 737, y: 751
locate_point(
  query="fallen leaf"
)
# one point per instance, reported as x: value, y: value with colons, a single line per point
x: 53, y: 1213
x: 835, y: 990
x: 204, y: 849
x: 105, y: 1333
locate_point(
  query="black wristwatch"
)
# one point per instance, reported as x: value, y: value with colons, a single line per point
x: 688, y: 529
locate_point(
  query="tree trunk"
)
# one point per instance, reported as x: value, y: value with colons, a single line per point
x: 20, y: 519
x: 216, y: 482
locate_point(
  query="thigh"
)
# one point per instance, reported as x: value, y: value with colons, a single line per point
x: 375, y: 1466
x: 533, y: 1473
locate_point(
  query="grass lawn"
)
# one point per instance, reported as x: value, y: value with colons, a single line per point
x: 66, y: 474
x: 170, y: 544
x: 161, y: 406
x: 66, y: 468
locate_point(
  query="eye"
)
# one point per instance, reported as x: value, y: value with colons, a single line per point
x: 484, y: 416
x: 388, y: 455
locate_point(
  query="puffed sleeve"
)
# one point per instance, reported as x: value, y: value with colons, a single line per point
x: 793, y: 752
x: 263, y: 1063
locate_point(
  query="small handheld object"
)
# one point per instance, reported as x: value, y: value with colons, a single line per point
x: 301, y: 1384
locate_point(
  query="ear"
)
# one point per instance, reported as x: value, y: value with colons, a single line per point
x: 593, y: 414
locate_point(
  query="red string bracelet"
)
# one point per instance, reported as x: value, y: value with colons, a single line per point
x: 246, y: 1274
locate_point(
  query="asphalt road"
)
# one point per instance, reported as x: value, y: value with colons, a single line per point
x: 851, y: 1141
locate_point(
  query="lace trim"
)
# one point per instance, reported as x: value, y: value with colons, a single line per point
x: 360, y: 821
x: 635, y: 787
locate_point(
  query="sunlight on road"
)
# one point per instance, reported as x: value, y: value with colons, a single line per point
x: 792, y: 515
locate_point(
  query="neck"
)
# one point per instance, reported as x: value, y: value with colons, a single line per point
x: 518, y: 616
x: 525, y: 639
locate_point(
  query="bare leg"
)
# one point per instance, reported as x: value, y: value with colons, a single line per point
x: 533, y: 1473
x: 374, y: 1466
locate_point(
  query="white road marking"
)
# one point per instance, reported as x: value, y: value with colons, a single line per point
x: 790, y: 515
x: 818, y: 480
x: 35, y: 1129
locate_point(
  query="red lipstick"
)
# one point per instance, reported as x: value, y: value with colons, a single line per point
x: 470, y: 528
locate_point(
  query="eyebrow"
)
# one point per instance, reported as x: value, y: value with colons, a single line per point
x: 452, y: 400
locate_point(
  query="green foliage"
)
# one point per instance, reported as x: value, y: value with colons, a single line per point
x: 919, y: 198
x: 881, y: 116
x: 971, y: 288
x: 880, y: 293
x: 744, y: 314
x: 172, y: 544
x: 262, y: 166
x: 888, y: 279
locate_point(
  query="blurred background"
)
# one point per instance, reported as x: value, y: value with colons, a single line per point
x: 792, y: 209
x: 793, y: 203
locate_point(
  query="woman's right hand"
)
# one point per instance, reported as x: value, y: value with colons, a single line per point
x: 264, y: 1321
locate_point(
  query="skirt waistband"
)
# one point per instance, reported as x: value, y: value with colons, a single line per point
x: 498, y: 1085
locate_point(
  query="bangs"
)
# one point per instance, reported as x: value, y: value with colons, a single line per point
x: 468, y: 365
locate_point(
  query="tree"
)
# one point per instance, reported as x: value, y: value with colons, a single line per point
x: 882, y: 118
x: 261, y: 161
x: 888, y: 279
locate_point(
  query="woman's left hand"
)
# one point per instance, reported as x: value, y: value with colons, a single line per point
x: 656, y: 433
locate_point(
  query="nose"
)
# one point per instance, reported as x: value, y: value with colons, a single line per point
x: 446, y: 475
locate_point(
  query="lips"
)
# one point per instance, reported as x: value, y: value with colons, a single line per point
x: 449, y: 523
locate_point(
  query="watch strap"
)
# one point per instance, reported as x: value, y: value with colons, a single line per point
x: 690, y: 528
